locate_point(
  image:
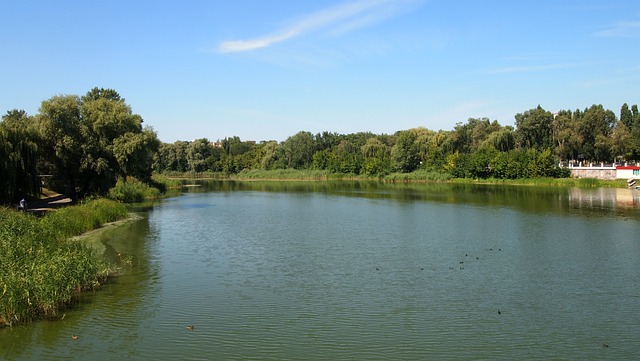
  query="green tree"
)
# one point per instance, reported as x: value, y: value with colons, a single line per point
x: 502, y: 139
x: 626, y: 116
x: 134, y: 153
x: 534, y: 129
x: 595, y: 126
x: 405, y: 153
x: 348, y: 157
x: 622, y: 144
x: 197, y: 153
x: 61, y: 131
x: 88, y: 142
x: 272, y: 157
x: 298, y: 150
x: 377, y: 157
x: 18, y: 157
x: 567, y: 138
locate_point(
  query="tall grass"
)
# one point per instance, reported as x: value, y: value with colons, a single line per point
x: 131, y: 190
x: 40, y: 269
x: 72, y: 221
x: 418, y: 176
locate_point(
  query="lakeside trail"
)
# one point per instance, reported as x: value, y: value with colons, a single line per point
x: 51, y: 202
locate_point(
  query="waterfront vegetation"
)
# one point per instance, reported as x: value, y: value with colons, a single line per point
x: 94, y: 146
x: 419, y: 176
x: 475, y: 150
x: 87, y: 145
x: 42, y: 269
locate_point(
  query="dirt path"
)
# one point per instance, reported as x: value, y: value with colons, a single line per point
x: 52, y: 202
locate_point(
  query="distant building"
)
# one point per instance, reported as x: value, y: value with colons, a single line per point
x: 628, y: 172
x: 607, y: 172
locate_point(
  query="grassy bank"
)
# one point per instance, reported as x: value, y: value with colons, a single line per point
x: 417, y: 176
x: 41, y: 270
x: 131, y: 190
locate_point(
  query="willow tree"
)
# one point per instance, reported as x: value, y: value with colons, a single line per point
x: 18, y: 158
x: 90, y: 141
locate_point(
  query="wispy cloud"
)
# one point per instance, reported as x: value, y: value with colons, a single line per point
x: 621, y: 29
x: 532, y: 68
x: 616, y: 77
x: 341, y: 19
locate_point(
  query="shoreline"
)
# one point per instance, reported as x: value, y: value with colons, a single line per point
x: 132, y: 217
x: 91, y: 240
x: 397, y: 178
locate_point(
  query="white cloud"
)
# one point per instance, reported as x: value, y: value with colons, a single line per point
x: 341, y: 18
x: 622, y: 29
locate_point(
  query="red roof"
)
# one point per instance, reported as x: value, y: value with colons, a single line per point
x: 633, y: 167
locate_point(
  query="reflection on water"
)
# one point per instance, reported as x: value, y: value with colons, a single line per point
x: 607, y: 198
x: 341, y: 270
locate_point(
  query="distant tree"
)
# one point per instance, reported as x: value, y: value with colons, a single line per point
x: 594, y: 127
x: 622, y: 144
x: 101, y: 93
x: 626, y: 116
x: 502, y: 139
x: 298, y: 150
x: 377, y: 157
x: 197, y: 153
x: 272, y: 157
x: 534, y: 129
x: 327, y: 140
x: 405, y: 153
x: 348, y: 157
x: 567, y: 138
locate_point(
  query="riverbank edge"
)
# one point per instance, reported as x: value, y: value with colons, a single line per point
x: 92, y: 234
x: 416, y: 177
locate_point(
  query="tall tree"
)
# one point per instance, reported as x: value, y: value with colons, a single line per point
x: 626, y: 116
x: 568, y: 140
x: 534, y: 128
x: 61, y: 130
x: 18, y: 157
x: 595, y: 127
x: 298, y: 150
x: 406, y: 153
x: 88, y: 142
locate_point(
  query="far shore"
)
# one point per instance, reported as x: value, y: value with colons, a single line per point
x: 416, y: 177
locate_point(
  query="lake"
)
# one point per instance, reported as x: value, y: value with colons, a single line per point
x: 361, y: 271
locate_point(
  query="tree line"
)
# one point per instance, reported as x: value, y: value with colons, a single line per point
x: 86, y: 143
x: 479, y: 148
x: 83, y: 144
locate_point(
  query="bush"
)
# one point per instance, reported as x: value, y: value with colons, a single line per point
x: 131, y: 190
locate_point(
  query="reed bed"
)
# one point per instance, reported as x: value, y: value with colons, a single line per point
x: 41, y: 270
x: 131, y: 190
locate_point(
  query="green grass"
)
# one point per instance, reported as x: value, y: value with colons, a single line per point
x: 282, y: 174
x: 551, y: 182
x: 417, y: 176
x: 131, y: 190
x: 41, y: 269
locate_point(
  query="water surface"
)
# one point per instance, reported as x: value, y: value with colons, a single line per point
x: 366, y: 271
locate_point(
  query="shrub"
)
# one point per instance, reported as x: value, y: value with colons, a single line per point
x: 131, y: 190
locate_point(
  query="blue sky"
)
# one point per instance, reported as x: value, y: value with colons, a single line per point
x: 266, y: 69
